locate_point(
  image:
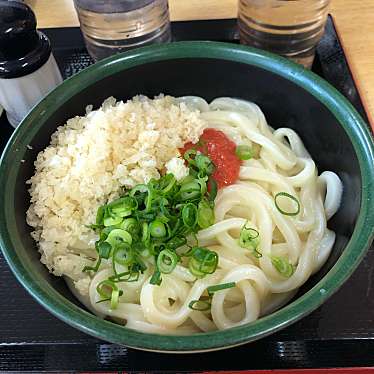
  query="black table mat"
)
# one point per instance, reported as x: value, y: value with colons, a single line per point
x: 339, y: 334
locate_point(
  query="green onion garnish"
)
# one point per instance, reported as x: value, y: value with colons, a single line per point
x: 156, y: 278
x: 200, y: 305
x: 204, y: 164
x: 123, y: 254
x: 250, y: 239
x: 288, y: 196
x: 168, y: 182
x: 100, y: 216
x: 244, y: 152
x: 143, y: 193
x: 145, y: 232
x: 131, y: 225
x: 127, y: 276
x: 283, y: 266
x: 213, y: 189
x: 123, y: 206
x: 202, y: 262
x: 93, y: 268
x: 176, y: 242
x: 167, y: 261
x: 187, y: 156
x: 111, y: 220
x: 204, y: 303
x: 190, y: 190
x: 104, y: 249
x: 117, y: 237
x: 155, y: 219
x: 205, y: 214
x: 219, y: 287
x: 189, y: 215
x: 108, y: 290
x: 157, y: 229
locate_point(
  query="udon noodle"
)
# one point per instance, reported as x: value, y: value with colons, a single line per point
x: 281, y: 164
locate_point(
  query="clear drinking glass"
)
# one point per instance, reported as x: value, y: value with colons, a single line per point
x: 291, y: 28
x: 113, y: 26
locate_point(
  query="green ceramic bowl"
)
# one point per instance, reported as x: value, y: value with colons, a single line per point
x: 334, y: 133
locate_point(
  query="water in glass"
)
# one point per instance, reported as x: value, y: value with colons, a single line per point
x: 291, y: 28
x: 112, y: 26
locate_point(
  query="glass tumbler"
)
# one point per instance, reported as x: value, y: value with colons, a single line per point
x: 113, y: 26
x: 291, y: 28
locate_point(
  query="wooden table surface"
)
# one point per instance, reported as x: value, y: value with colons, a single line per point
x: 354, y: 20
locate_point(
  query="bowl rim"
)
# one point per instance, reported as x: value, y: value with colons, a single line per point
x: 347, y: 117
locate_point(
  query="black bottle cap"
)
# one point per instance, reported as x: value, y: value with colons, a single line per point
x: 22, y: 48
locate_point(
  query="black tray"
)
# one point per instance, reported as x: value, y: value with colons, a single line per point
x: 339, y: 334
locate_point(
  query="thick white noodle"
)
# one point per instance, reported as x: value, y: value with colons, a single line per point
x: 194, y: 103
x: 280, y: 164
x: 333, y: 186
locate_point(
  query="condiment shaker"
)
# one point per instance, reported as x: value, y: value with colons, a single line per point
x: 28, y: 70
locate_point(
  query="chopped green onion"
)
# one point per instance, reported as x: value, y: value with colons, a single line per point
x: 167, y: 183
x: 145, y: 232
x: 176, y: 242
x: 123, y: 254
x: 202, y: 179
x: 102, y: 300
x: 139, y: 265
x: 156, y: 247
x: 187, y: 156
x: 194, y: 236
x: 283, y: 266
x: 127, y: 276
x: 190, y: 190
x: 204, y: 164
x: 106, y: 230
x: 219, y: 287
x: 100, y: 216
x: 112, y: 220
x: 131, y: 225
x: 104, y: 249
x: 244, y: 152
x: 117, y: 237
x: 139, y: 188
x: 189, y: 215
x: 288, y: 196
x: 205, y: 214
x: 202, y: 262
x: 213, y: 189
x: 187, y: 179
x: 115, y: 298
x: 108, y: 290
x: 93, y: 268
x: 157, y: 229
x: 143, y: 189
x: 162, y: 218
x: 167, y: 261
x: 250, y: 239
x: 156, y: 278
x: 199, y: 305
x: 123, y: 206
x: 155, y: 219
